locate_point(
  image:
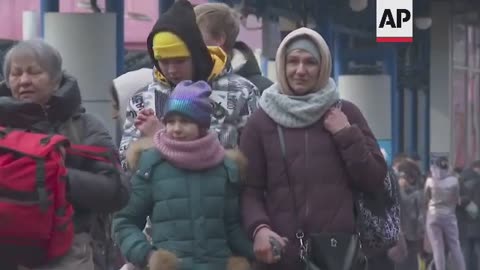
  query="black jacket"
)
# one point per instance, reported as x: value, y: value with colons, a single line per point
x: 180, y: 19
x: 92, y: 186
x: 469, y: 192
x: 250, y: 69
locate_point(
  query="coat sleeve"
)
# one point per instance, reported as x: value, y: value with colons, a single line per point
x: 246, y: 96
x: 97, y: 185
x: 359, y: 149
x: 237, y: 237
x: 130, y: 132
x: 252, y: 96
x: 253, y: 209
x: 129, y: 222
x: 247, y: 99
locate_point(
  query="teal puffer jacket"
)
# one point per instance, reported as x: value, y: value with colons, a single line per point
x: 194, y: 214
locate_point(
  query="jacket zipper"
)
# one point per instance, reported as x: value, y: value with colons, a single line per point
x: 192, y: 223
x: 45, y: 113
x: 307, y: 161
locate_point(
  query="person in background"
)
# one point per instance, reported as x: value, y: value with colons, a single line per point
x: 179, y: 53
x: 469, y: 216
x: 415, y: 157
x: 397, y: 160
x: 123, y: 89
x: 189, y: 186
x: 412, y: 213
x: 443, y: 196
x: 220, y: 26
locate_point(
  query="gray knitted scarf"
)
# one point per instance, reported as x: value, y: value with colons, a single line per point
x: 298, y: 111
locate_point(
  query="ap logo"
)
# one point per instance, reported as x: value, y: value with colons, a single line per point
x: 394, y: 20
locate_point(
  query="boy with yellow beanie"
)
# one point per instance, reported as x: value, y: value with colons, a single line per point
x: 179, y: 53
x: 168, y: 45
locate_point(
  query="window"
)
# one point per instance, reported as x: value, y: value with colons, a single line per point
x: 459, y: 78
x: 465, y: 101
x: 472, y: 111
x: 460, y: 45
x: 476, y: 55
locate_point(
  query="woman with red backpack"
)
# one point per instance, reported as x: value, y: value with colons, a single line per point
x: 38, y: 100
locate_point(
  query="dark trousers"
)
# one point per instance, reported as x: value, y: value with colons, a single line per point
x: 411, y: 262
x: 471, y: 250
x: 380, y: 262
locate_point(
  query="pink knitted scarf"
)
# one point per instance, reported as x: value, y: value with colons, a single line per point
x: 203, y: 153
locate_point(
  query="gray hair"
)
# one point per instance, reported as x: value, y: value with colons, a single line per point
x: 46, y: 56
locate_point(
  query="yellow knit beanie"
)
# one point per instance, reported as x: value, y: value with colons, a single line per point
x: 169, y: 45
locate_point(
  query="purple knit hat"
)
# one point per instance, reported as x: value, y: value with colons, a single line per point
x: 191, y: 99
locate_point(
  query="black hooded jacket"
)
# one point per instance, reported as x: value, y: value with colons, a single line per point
x: 250, y: 70
x: 180, y: 20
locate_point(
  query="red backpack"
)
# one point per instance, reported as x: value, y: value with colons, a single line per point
x: 35, y: 217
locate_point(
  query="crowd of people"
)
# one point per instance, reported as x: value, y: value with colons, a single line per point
x: 440, y: 224
x: 220, y: 168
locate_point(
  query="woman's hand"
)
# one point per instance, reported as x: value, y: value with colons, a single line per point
x: 262, y: 245
x: 147, y: 122
x: 335, y: 121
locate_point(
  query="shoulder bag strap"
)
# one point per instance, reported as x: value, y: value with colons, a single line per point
x: 300, y: 235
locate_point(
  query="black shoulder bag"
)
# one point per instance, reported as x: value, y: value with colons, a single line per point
x: 322, y: 251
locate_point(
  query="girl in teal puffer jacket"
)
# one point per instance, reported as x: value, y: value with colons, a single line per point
x: 189, y: 186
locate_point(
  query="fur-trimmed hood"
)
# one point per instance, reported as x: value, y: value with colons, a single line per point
x: 240, y: 160
x: 135, y: 150
x: 165, y: 260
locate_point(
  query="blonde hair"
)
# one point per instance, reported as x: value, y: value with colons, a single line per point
x: 219, y: 19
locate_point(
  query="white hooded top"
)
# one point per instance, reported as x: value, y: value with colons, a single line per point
x: 128, y: 84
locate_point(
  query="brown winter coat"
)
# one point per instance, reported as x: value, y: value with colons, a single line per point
x: 323, y: 170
